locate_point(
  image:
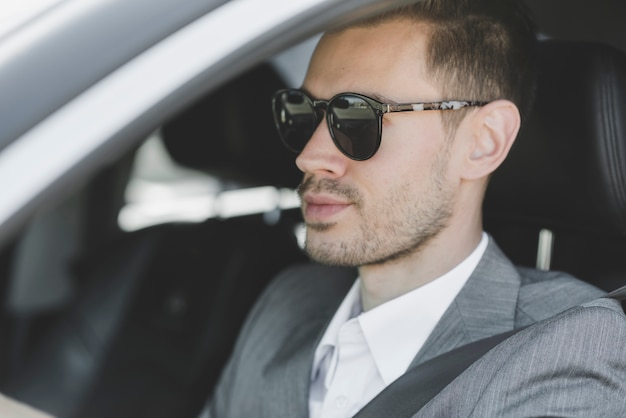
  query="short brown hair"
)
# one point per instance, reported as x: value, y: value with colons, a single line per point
x: 477, y: 49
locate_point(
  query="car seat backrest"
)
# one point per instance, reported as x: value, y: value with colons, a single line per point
x: 566, y: 172
x: 231, y: 133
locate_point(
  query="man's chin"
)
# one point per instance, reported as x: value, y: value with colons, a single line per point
x: 313, y: 227
x: 330, y: 255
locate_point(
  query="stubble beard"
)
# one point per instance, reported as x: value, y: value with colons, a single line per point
x: 389, y: 230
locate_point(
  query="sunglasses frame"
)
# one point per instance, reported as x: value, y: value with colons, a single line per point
x: 380, y: 109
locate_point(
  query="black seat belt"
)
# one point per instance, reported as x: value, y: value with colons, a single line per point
x: 411, y: 391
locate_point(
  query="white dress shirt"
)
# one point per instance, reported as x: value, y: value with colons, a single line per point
x: 361, y: 353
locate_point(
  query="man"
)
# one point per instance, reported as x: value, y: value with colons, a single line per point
x: 399, y: 124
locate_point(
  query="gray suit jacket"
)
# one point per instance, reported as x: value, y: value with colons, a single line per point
x: 569, y: 365
x: 269, y: 372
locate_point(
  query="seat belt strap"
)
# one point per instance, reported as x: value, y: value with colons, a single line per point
x: 411, y: 391
x: 414, y: 389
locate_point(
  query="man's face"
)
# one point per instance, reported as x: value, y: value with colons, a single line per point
x: 382, y: 209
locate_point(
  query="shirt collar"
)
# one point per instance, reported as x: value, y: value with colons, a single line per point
x: 350, y: 308
x: 396, y: 330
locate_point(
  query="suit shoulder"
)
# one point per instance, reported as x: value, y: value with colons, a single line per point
x: 583, y: 337
x: 590, y: 334
x: 547, y: 293
x: 604, y: 315
x: 571, y: 364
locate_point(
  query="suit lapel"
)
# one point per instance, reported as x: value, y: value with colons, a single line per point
x: 485, y: 306
x: 288, y: 374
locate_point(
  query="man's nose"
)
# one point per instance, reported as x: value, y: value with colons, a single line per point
x: 320, y: 155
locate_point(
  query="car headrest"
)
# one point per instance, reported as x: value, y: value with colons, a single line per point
x: 231, y: 134
x: 567, y: 168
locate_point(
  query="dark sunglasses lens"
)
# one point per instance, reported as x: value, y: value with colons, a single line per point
x: 354, y: 126
x: 295, y: 118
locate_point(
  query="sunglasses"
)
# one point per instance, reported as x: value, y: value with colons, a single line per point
x: 355, y: 121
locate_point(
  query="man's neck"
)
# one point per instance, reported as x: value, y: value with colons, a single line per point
x: 384, y: 282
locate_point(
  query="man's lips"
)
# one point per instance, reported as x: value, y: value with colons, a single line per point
x: 322, y: 208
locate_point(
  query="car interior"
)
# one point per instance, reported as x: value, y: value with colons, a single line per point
x: 156, y: 311
x: 110, y: 322
x: 566, y: 173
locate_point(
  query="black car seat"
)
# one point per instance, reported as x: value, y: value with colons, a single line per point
x: 565, y: 178
x: 159, y: 309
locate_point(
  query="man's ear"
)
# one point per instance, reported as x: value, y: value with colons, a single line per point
x: 494, y: 129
